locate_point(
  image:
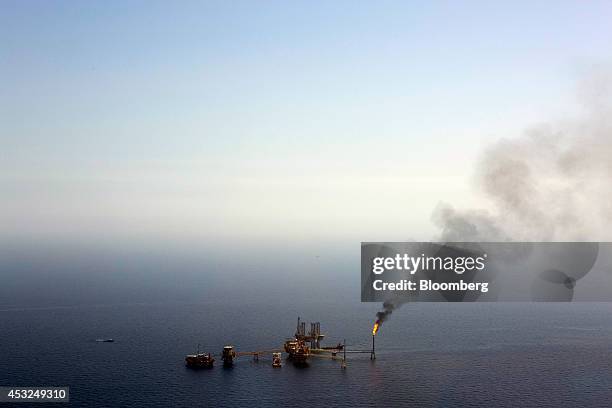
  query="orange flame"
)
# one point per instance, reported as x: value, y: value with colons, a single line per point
x: 375, y: 328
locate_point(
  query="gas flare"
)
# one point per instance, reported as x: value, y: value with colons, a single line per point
x: 382, y: 316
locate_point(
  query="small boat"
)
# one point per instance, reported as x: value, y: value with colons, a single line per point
x: 105, y: 341
x: 276, y: 360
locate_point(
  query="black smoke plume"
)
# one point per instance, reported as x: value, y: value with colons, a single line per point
x: 384, y: 314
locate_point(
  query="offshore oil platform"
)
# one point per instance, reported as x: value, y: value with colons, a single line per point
x: 299, y: 349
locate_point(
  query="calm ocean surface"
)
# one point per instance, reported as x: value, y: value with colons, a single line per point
x: 480, y: 355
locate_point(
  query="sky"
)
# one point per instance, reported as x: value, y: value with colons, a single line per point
x: 218, y: 122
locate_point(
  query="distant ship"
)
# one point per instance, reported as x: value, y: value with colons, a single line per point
x: 105, y: 341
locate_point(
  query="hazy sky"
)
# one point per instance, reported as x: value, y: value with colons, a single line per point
x: 270, y: 120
